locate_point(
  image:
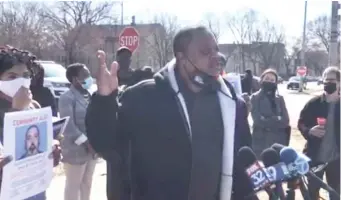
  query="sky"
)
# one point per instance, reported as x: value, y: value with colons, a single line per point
x: 286, y: 13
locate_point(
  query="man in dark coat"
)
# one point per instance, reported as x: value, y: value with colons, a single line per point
x: 184, y: 127
x: 127, y: 77
x: 247, y: 82
x: 319, y: 124
x: 41, y: 94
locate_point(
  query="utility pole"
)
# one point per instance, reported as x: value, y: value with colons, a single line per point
x: 302, y: 54
x: 304, y: 35
x: 122, y: 17
x: 334, y: 34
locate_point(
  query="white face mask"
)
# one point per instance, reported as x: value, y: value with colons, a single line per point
x: 10, y: 88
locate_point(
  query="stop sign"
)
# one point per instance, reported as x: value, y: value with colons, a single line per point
x: 301, y: 70
x: 130, y: 38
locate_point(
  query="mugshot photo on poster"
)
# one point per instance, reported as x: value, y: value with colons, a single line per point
x: 30, y: 140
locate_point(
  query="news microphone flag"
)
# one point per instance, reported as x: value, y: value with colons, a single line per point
x: 278, y: 172
x: 253, y: 167
x: 258, y: 175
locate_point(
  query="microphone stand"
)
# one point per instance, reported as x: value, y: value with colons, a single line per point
x: 304, y: 190
x: 291, y: 186
x: 290, y: 193
x: 291, y: 190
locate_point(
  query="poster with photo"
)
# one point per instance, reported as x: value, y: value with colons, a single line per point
x: 28, y: 137
x: 235, y: 81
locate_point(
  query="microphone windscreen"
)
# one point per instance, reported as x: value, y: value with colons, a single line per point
x: 246, y: 157
x: 277, y: 147
x: 269, y: 157
x: 288, y: 155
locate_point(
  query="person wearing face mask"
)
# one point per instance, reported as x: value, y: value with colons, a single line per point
x: 78, y: 156
x: 15, y: 79
x: 269, y: 114
x: 184, y: 126
x: 40, y: 93
x: 319, y: 124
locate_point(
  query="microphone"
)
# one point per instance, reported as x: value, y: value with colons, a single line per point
x: 277, y: 147
x: 276, y: 172
x: 254, y: 170
x: 299, y: 166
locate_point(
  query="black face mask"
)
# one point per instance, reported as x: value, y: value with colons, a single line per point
x: 329, y: 87
x: 202, y: 79
x: 269, y: 86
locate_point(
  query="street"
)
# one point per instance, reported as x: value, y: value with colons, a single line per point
x: 294, y: 101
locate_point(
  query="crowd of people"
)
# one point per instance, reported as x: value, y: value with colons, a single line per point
x: 173, y: 134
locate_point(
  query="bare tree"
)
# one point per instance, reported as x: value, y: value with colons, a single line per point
x: 213, y: 24
x: 319, y: 32
x: 291, y: 53
x: 316, y: 60
x: 66, y: 20
x: 240, y: 25
x: 21, y: 26
x: 267, y: 44
x: 161, y: 42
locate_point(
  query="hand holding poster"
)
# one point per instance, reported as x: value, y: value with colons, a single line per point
x: 28, y: 138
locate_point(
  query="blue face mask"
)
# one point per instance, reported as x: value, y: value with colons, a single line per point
x: 87, y: 83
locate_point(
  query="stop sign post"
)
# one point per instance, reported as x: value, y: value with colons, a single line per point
x: 301, y: 70
x: 129, y: 38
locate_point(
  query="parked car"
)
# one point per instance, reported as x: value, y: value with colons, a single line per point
x: 294, y: 83
x: 319, y: 81
x: 55, y: 78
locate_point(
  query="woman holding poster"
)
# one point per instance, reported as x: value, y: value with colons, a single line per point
x: 15, y: 79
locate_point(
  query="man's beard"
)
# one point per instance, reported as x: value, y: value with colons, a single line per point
x: 32, y: 148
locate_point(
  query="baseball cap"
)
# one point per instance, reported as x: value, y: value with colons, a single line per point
x: 122, y: 49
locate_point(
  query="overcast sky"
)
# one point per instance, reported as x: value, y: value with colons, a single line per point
x: 287, y: 13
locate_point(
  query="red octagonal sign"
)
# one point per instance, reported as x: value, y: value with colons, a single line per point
x: 130, y: 38
x: 301, y: 70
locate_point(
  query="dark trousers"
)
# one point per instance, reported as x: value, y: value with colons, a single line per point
x: 333, y: 179
x: 118, y: 176
x: 112, y: 184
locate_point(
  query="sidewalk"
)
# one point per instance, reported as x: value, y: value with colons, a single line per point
x: 98, y: 192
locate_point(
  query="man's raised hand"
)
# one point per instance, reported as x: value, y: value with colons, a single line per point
x: 107, y: 81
